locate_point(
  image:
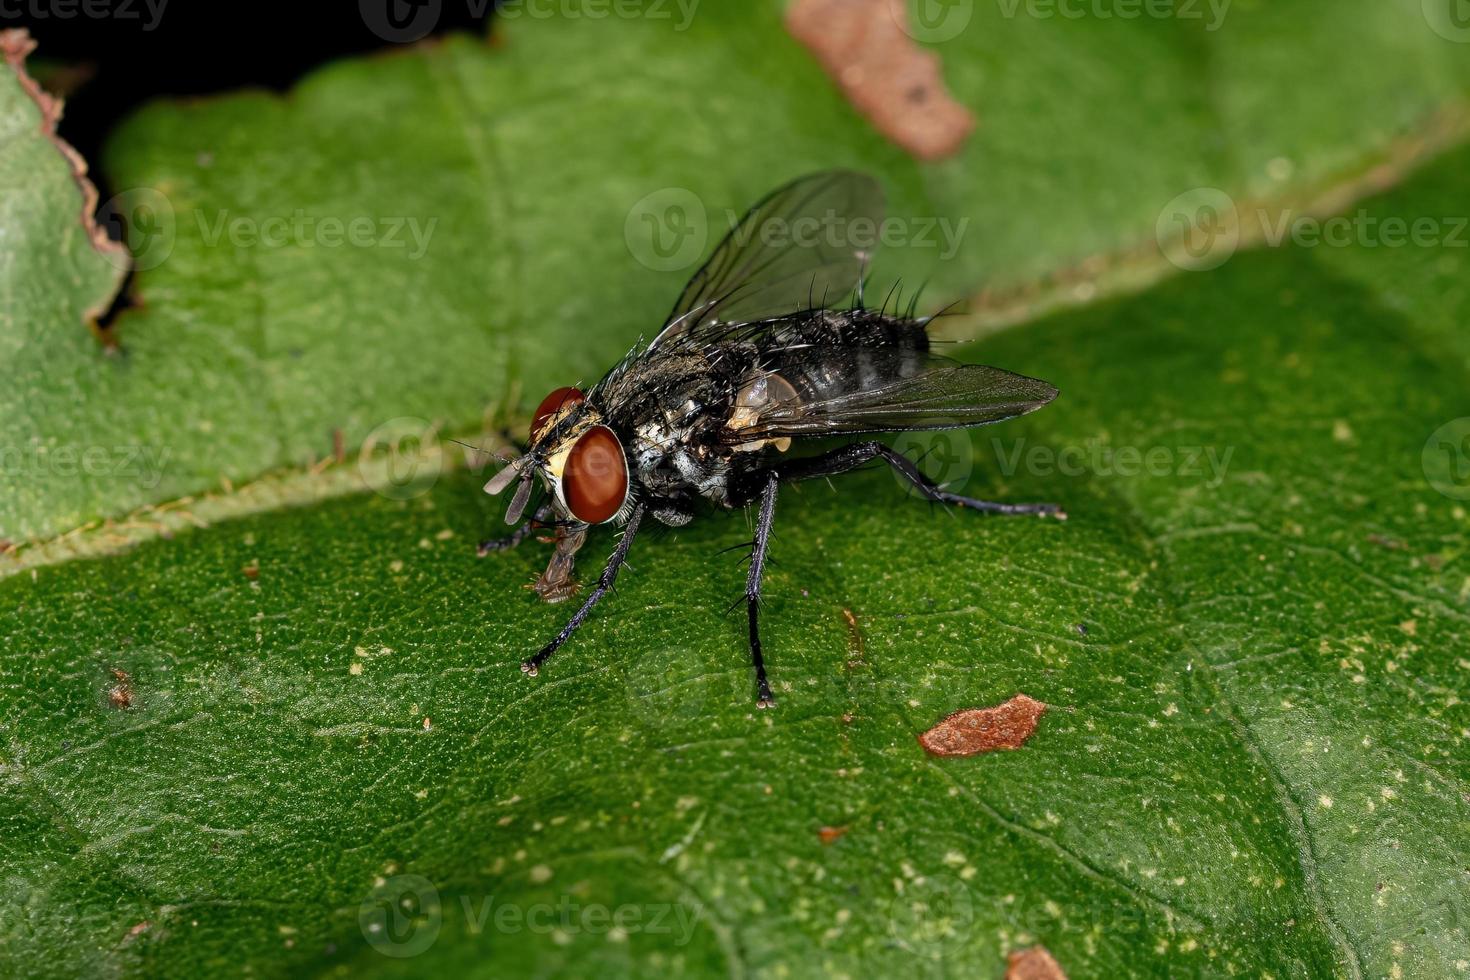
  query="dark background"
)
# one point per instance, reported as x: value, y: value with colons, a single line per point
x: 109, y: 61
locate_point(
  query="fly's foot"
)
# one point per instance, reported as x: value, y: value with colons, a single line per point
x: 992, y: 507
x: 530, y: 668
x: 763, y: 698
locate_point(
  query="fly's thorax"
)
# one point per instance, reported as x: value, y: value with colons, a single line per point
x: 674, y: 454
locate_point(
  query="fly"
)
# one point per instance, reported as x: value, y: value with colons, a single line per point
x: 752, y: 363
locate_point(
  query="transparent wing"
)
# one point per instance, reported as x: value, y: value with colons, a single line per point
x: 804, y: 245
x: 841, y: 391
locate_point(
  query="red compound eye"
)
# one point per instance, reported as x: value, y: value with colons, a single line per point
x: 552, y: 404
x: 595, y: 481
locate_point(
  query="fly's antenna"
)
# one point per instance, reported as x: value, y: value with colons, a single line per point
x: 502, y: 455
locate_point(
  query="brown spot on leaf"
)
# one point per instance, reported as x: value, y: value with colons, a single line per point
x: 15, y: 45
x: 855, y: 649
x: 828, y: 835
x: 120, y: 695
x: 1035, y: 963
x: 252, y: 570
x: 136, y: 931
x: 883, y: 72
x: 975, y: 730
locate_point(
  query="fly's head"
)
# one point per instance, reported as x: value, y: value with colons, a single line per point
x: 579, y: 459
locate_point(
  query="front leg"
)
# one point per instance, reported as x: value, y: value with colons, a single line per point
x: 753, y: 588
x: 539, y: 519
x: 604, y: 583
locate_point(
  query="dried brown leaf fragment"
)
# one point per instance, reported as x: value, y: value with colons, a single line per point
x: 885, y: 74
x: 976, y: 730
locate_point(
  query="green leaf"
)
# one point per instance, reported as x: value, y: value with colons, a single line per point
x: 57, y: 275
x: 1254, y: 760
x: 295, y: 739
x: 399, y: 237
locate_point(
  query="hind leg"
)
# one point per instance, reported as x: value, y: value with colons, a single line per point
x: 849, y: 458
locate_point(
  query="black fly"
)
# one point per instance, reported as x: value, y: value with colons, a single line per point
x: 752, y: 359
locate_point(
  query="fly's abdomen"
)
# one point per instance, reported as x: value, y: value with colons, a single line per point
x: 837, y: 353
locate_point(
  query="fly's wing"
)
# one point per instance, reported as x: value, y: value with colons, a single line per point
x: 803, y: 246
x: 844, y: 391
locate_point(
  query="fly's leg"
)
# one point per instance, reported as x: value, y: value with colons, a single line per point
x: 517, y: 536
x: 604, y: 583
x: 851, y: 457
x: 753, y: 589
